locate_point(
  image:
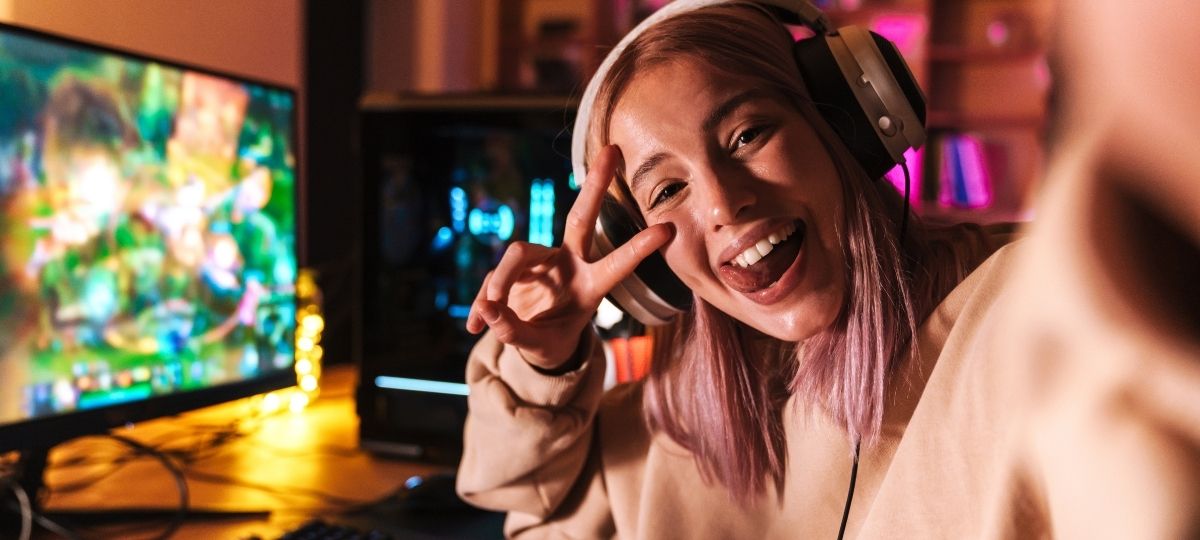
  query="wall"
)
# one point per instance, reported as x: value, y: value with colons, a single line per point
x: 430, y: 46
x: 260, y: 39
x: 435, y: 46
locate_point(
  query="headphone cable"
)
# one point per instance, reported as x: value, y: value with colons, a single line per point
x: 850, y: 492
x: 904, y: 216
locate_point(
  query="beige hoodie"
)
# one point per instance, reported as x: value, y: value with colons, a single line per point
x: 569, y: 461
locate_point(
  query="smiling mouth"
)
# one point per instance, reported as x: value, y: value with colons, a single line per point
x: 761, y: 265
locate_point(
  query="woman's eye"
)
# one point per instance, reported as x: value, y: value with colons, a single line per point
x: 666, y: 193
x: 746, y: 137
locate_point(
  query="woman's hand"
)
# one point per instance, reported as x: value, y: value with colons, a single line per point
x: 539, y: 299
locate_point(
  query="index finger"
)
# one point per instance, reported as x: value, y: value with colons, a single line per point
x: 606, y: 273
x: 581, y: 220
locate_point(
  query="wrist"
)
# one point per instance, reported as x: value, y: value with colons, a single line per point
x: 573, y: 362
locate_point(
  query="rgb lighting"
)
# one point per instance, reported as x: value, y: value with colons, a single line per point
x: 500, y: 223
x: 541, y: 212
x: 458, y: 208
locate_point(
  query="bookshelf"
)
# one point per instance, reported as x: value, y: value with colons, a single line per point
x: 987, y: 89
x: 982, y: 66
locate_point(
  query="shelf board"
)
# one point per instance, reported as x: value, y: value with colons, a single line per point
x: 955, y: 120
x: 936, y: 214
x: 390, y: 101
x: 943, y: 53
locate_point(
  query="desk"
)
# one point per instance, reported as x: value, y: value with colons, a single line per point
x: 295, y: 465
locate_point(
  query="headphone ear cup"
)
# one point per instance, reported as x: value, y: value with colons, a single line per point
x: 653, y: 294
x: 836, y: 102
x: 902, y: 75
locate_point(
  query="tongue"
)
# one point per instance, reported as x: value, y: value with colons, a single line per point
x: 766, y: 271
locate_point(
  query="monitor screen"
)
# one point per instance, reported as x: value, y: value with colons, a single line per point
x: 450, y: 184
x: 147, y: 236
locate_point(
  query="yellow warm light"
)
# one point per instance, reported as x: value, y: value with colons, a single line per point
x: 312, y: 324
x: 270, y: 403
x: 298, y: 402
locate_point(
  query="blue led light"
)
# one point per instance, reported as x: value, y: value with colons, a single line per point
x: 459, y: 311
x: 443, y: 238
x: 572, y: 183
x: 420, y: 385
x: 506, y: 222
x: 458, y: 208
x: 541, y: 212
x: 500, y: 223
x: 475, y: 222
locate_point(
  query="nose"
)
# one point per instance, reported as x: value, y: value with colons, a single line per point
x: 729, y: 196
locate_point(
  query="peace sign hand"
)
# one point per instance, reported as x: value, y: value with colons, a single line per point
x: 539, y: 299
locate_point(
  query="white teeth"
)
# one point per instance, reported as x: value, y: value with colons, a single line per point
x: 751, y: 256
x: 764, y: 246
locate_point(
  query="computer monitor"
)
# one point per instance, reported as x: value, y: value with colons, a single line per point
x: 449, y: 182
x: 147, y: 238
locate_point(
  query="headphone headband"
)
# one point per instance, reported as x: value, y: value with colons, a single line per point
x: 806, y: 14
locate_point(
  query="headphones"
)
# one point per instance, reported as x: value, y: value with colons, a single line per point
x: 868, y: 95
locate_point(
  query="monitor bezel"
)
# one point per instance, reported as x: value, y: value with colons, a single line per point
x: 46, y: 431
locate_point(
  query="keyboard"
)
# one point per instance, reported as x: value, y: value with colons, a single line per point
x: 320, y: 530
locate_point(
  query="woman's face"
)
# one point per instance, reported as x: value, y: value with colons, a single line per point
x: 752, y: 192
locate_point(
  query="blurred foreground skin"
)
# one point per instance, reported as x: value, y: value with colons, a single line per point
x: 1106, y: 325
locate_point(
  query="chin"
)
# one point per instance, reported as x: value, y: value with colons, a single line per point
x: 799, y: 323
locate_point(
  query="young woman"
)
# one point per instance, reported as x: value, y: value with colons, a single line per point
x: 827, y: 376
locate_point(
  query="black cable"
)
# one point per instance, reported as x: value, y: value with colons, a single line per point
x: 904, y: 216
x: 26, y: 509
x: 850, y: 492
x: 114, y: 465
x: 52, y: 526
x: 286, y: 491
x: 199, y: 443
x: 45, y: 522
x: 176, y: 472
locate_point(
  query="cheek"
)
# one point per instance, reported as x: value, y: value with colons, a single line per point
x: 686, y: 255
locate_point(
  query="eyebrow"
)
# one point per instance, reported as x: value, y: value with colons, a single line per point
x: 725, y: 109
x: 709, y: 124
x: 644, y: 169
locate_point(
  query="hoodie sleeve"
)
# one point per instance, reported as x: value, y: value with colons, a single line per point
x: 529, y: 445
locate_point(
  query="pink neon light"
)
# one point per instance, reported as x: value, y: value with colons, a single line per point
x: 800, y: 32
x: 1042, y: 74
x: 997, y: 32
x: 906, y: 31
x: 896, y: 175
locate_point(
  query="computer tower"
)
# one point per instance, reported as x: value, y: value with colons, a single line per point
x: 450, y: 182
